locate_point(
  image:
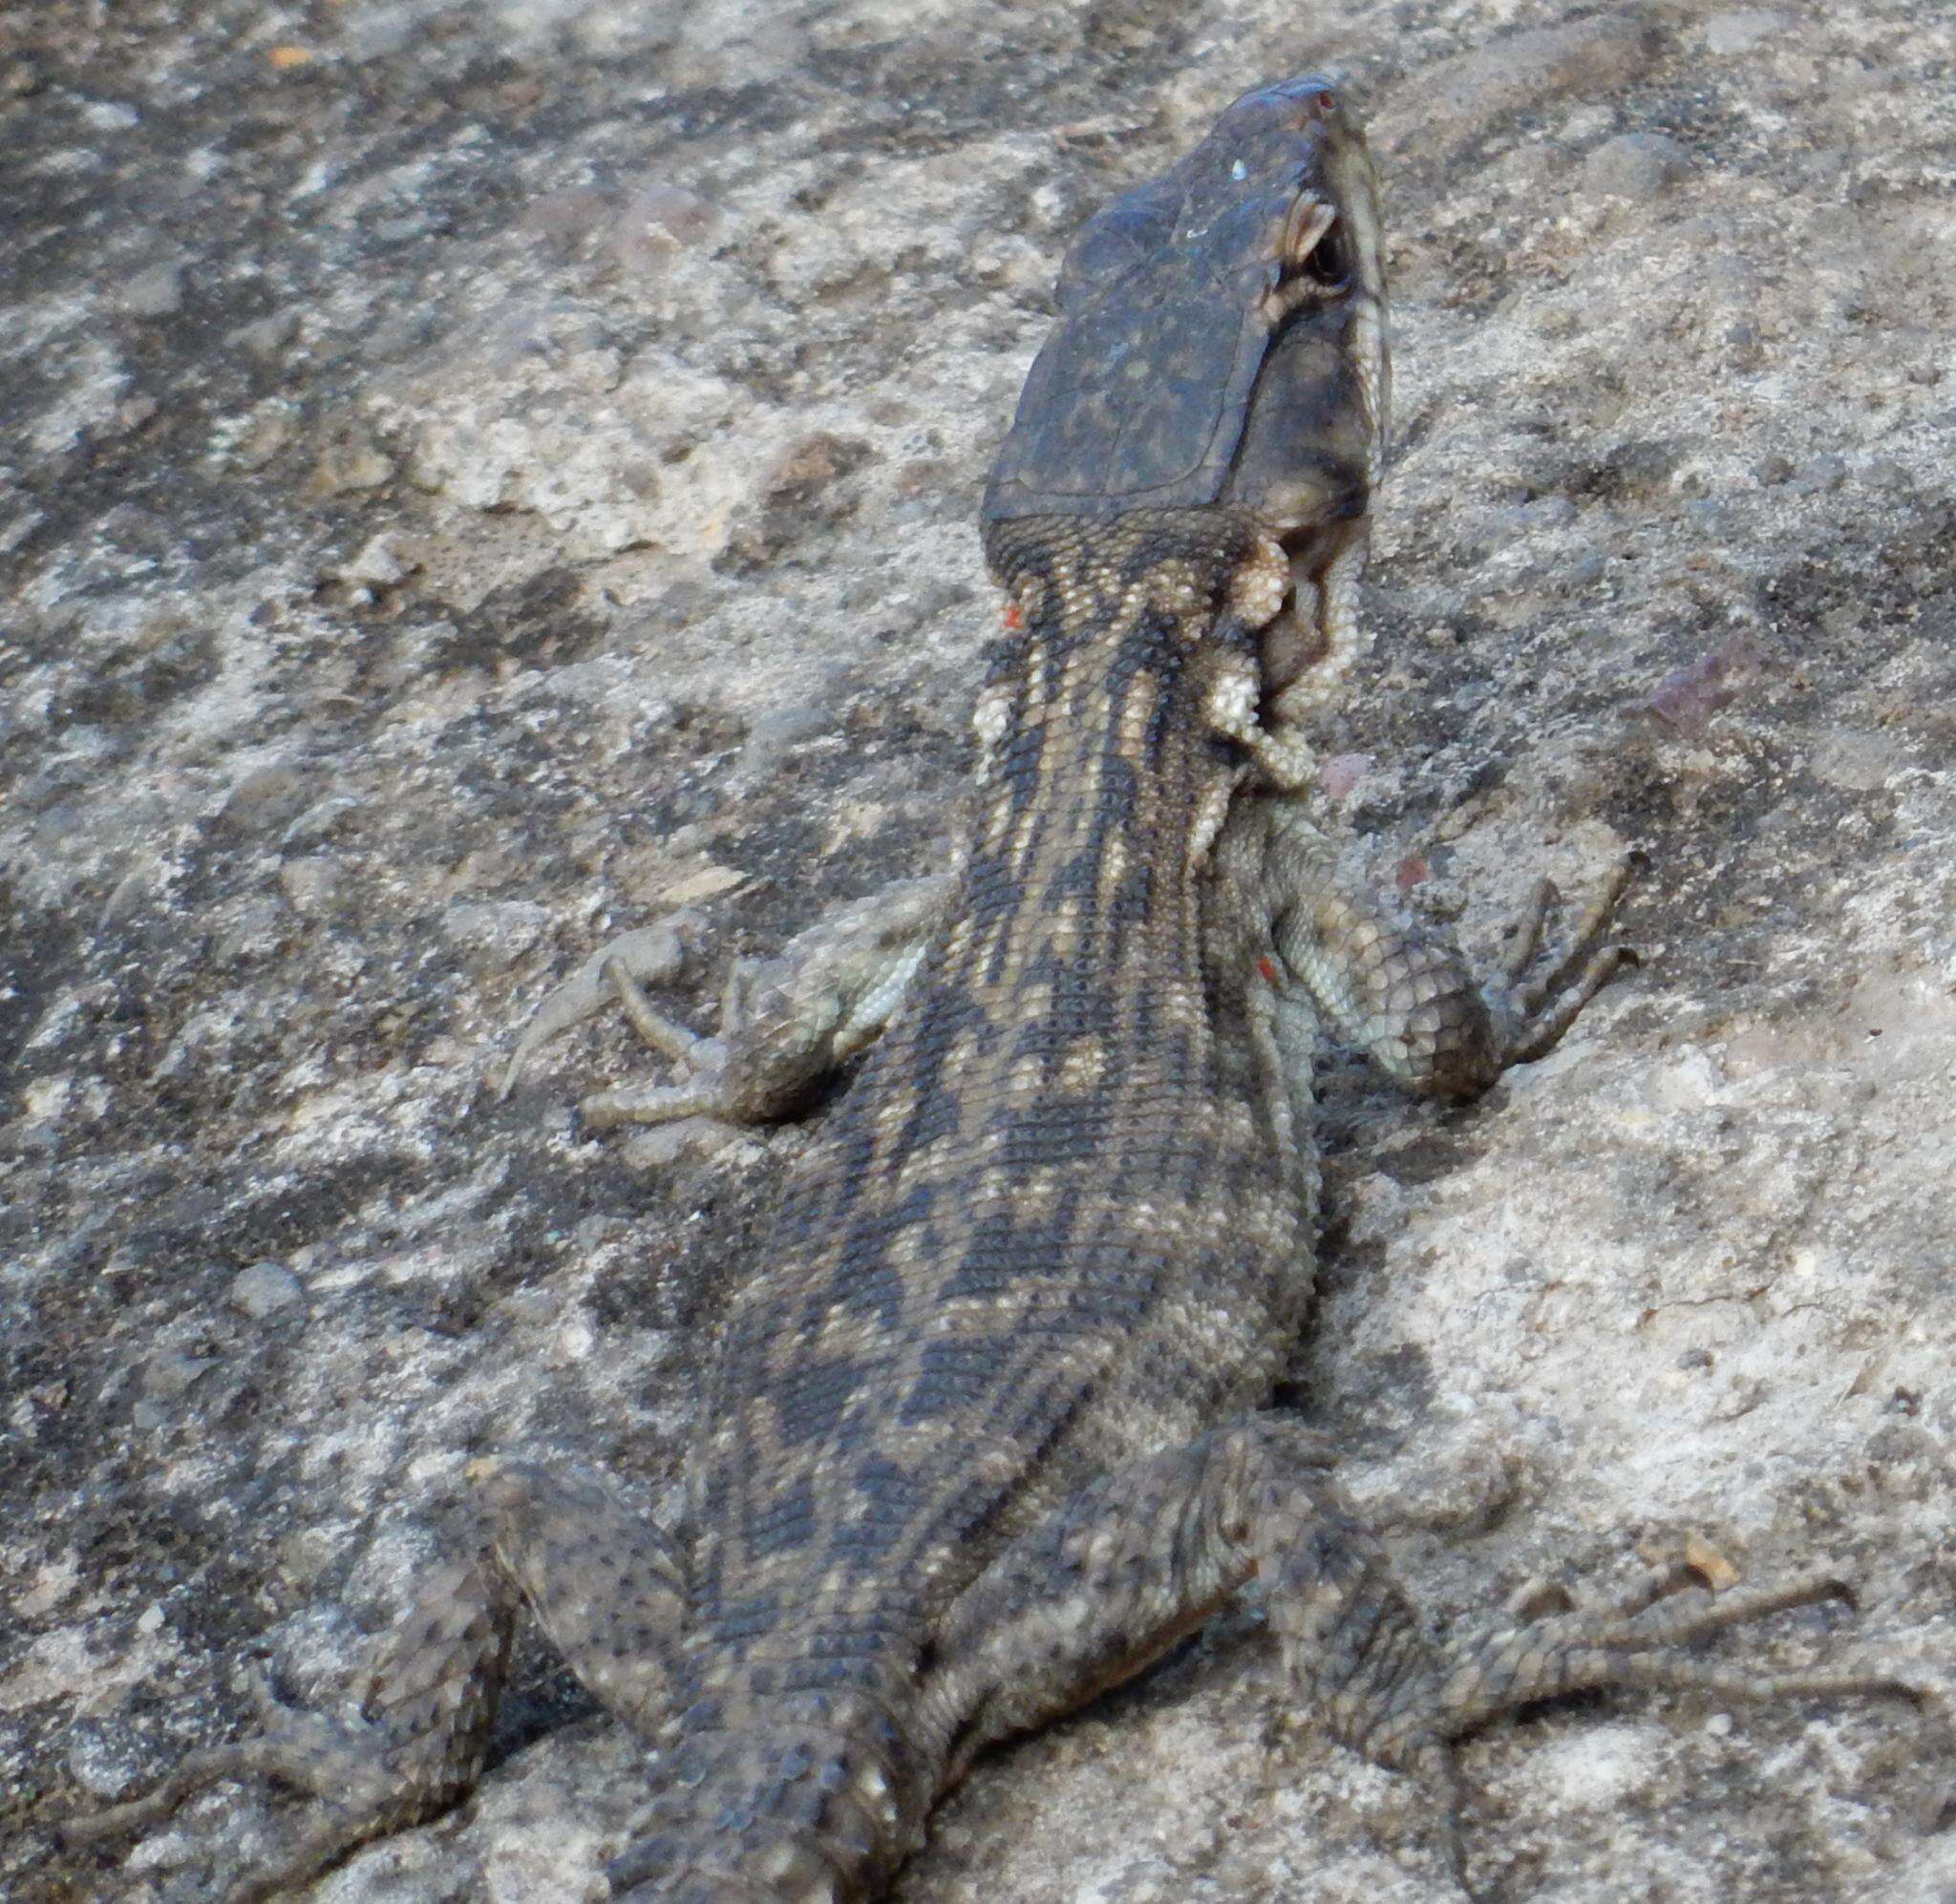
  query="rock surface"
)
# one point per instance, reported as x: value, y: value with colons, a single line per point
x: 483, y: 478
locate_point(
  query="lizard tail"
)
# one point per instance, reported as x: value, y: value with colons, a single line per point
x: 802, y: 1803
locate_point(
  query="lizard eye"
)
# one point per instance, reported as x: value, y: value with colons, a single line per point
x: 1329, y: 262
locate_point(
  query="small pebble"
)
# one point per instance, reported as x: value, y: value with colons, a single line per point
x: 1742, y: 30
x: 1822, y: 473
x: 155, y: 291
x: 171, y: 1373
x: 265, y: 337
x: 273, y: 794
x: 1549, y: 512
x: 263, y: 1289
x: 1635, y: 165
x: 319, y: 819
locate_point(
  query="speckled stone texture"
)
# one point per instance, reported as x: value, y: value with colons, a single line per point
x: 481, y: 477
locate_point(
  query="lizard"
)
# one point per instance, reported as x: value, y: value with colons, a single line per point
x: 993, y: 1428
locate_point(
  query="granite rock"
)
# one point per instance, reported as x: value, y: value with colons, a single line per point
x: 538, y: 491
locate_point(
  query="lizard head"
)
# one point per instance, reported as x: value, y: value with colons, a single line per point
x: 1222, y: 343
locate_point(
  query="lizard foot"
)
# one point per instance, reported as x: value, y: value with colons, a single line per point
x: 653, y: 954
x: 337, y: 1763
x: 1635, y: 1639
x: 602, y: 1582
x: 1631, y: 1640
x: 1531, y: 1012
x: 786, y: 1026
x: 705, y: 1087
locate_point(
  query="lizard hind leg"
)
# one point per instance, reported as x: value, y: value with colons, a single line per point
x: 1131, y: 1563
x: 412, y: 1751
x: 604, y: 1586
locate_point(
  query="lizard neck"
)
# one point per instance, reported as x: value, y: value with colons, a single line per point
x: 1103, y: 774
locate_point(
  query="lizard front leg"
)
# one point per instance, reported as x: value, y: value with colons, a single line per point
x: 1404, y: 998
x: 785, y: 1028
x: 602, y: 1583
x: 1135, y: 1561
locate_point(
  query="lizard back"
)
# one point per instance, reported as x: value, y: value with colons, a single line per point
x: 1048, y: 1140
